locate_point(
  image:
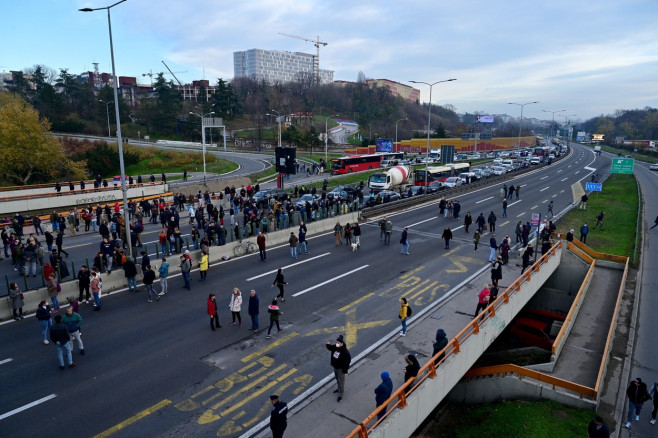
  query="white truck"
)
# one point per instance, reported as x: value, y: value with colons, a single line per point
x: 395, y: 178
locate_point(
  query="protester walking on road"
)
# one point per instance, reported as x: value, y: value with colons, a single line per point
x: 203, y: 267
x: 130, y: 272
x: 481, y: 222
x: 275, y: 312
x: 653, y: 392
x: 61, y: 337
x: 44, y: 318
x: 549, y: 209
x: 476, y: 240
x: 54, y: 288
x: 403, y: 315
x: 59, y: 241
x: 492, y: 221
x: 84, y: 281
x: 383, y: 392
x: 468, y: 220
x: 254, y: 304
x: 260, y: 241
x: 655, y: 224
x: 212, y: 312
x: 637, y: 394
x: 185, y: 267
x: 149, y: 278
x: 280, y: 282
x: 404, y: 241
x: 493, y: 246
x: 278, y: 417
x: 389, y: 231
x: 447, y: 236
x: 338, y: 229
x: 292, y: 241
x: 505, y: 207
x: 518, y: 191
x: 96, y: 288
x: 73, y: 322
x: 163, y: 270
x: 340, y: 361
x: 17, y: 300
x: 235, y: 305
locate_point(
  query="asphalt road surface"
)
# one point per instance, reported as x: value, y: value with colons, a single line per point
x: 158, y: 369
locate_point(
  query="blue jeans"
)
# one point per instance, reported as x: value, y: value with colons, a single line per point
x: 254, y: 321
x: 293, y: 252
x: 163, y: 249
x: 492, y: 254
x: 633, y: 407
x: 302, y: 247
x: 404, y: 325
x: 7, y: 255
x: 195, y: 242
x: 405, y: 247
x: 132, y: 282
x: 93, y: 225
x: 504, y: 212
x: 97, y: 298
x: 55, y: 302
x: 186, y: 278
x: 61, y: 348
x: 45, y: 326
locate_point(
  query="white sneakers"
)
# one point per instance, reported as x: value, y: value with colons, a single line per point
x: 403, y: 334
x: 652, y: 421
x: 628, y: 425
x: 637, y: 418
x: 45, y: 341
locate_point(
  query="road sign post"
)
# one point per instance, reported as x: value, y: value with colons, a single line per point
x: 622, y: 165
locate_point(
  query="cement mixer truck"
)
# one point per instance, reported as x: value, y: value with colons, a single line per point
x: 396, y: 178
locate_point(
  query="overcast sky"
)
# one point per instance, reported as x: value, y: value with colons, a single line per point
x: 588, y: 57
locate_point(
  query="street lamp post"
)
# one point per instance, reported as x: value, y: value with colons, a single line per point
x: 278, y: 119
x: 521, y: 121
x: 107, y: 110
x: 203, y: 139
x: 429, y: 114
x: 116, y: 113
x: 568, y: 122
x: 553, y: 123
x: 326, y: 136
x: 396, y: 127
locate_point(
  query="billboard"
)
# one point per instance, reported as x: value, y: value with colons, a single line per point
x: 597, y: 137
x: 485, y: 119
x: 384, y: 145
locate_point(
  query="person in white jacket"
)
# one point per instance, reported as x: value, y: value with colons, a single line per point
x: 235, y: 305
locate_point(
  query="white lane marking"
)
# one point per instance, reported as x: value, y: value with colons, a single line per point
x: 289, y: 266
x: 591, y: 169
x: 577, y: 173
x: 27, y: 406
x: 422, y: 222
x: 568, y: 166
x: 2, y: 362
x: 453, y: 229
x: 485, y: 199
x: 329, y: 281
x: 521, y: 215
x: 561, y: 191
x: 564, y: 179
x: 544, y: 177
x: 523, y: 185
x: 545, y: 188
x: 559, y: 171
x: 514, y: 203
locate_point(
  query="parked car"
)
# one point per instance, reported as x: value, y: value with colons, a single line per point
x: 497, y: 161
x: 343, y: 193
x: 389, y: 196
x: 508, y: 167
x: 435, y: 186
x: 306, y: 198
x: 413, y: 191
x: 453, y: 181
x: 535, y: 160
x: 498, y: 170
x: 262, y: 197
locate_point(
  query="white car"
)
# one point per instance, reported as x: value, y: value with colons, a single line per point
x: 497, y: 161
x: 498, y: 170
x: 535, y: 160
x: 453, y: 181
x: 653, y: 166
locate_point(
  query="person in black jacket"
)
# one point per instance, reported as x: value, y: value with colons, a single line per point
x: 340, y: 361
x: 439, y: 344
x: 598, y: 429
x: 412, y: 368
x: 130, y: 271
x: 61, y: 337
x: 637, y: 394
x: 149, y: 278
x: 278, y: 416
x: 84, y: 281
x: 447, y: 236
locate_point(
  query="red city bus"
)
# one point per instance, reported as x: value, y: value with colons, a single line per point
x: 357, y: 163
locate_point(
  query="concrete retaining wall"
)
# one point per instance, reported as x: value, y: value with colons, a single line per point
x: 402, y: 422
x: 117, y: 281
x: 489, y: 389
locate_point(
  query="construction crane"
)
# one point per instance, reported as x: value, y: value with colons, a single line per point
x: 151, y: 74
x: 316, y: 61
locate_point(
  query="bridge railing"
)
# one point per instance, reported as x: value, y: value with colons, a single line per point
x: 398, y: 399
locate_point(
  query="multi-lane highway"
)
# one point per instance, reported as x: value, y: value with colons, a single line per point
x: 158, y: 369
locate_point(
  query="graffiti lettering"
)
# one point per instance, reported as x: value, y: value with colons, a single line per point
x: 96, y: 199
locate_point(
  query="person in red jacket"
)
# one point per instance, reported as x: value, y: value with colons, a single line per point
x: 212, y: 311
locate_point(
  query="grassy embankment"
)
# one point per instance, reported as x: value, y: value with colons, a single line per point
x: 619, y: 200
x: 158, y: 161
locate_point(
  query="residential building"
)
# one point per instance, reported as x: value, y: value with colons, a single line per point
x: 275, y: 66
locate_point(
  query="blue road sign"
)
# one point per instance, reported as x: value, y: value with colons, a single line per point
x: 593, y: 187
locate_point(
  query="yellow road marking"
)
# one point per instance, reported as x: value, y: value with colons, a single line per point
x: 449, y: 252
x: 420, y: 268
x: 135, y: 418
x: 355, y: 302
x: 270, y: 347
x: 412, y: 297
x: 350, y: 328
x: 78, y: 246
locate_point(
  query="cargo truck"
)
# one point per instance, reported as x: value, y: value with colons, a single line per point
x: 396, y: 178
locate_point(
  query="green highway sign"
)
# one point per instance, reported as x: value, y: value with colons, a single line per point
x: 622, y: 165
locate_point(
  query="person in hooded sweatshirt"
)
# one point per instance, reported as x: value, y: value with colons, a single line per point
x: 439, y: 344
x: 340, y: 361
x: 412, y: 368
x: 383, y: 392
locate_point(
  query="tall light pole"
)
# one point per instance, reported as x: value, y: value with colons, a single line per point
x: 326, y: 136
x: 116, y: 113
x: 553, y: 123
x: 521, y: 121
x: 278, y: 119
x: 429, y: 114
x: 203, y: 139
x: 396, y: 127
x: 107, y: 110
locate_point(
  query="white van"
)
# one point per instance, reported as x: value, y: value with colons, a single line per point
x: 497, y: 161
x: 507, y: 162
